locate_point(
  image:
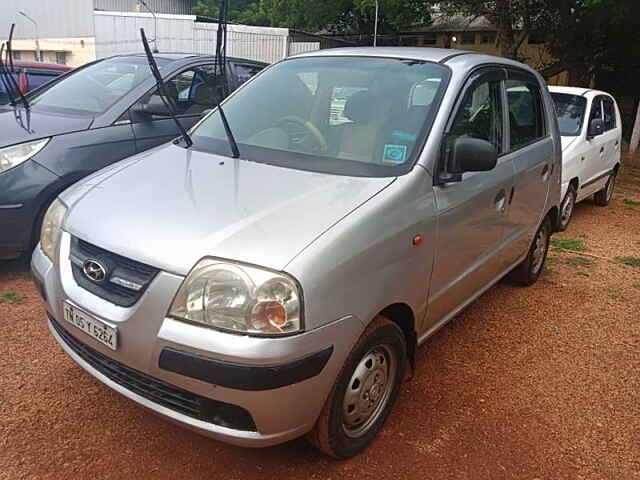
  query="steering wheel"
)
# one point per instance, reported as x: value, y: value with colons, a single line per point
x: 316, y: 134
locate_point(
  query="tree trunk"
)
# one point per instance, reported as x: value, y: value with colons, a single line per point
x: 635, y: 135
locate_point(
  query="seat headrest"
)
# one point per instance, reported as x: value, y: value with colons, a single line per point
x: 359, y: 107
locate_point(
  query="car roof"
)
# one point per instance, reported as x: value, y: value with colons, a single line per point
x: 41, y: 65
x: 577, y: 91
x: 174, y: 57
x: 428, y: 54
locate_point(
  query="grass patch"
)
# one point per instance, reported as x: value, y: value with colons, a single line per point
x: 580, y: 262
x: 570, y: 244
x: 614, y: 294
x: 630, y: 202
x: 636, y: 285
x: 11, y: 297
x: 630, y: 261
x: 583, y: 274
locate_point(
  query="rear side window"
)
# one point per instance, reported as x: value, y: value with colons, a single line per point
x: 609, y: 111
x: 526, y: 121
x: 37, y: 79
x: 245, y: 71
x: 596, y: 110
x: 480, y: 115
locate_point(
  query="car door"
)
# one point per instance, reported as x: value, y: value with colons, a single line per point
x: 593, y: 165
x: 531, y: 150
x: 193, y: 91
x: 471, y: 212
x: 611, y: 135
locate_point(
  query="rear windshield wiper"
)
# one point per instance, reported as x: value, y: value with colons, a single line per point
x: 12, y: 71
x: 221, y: 64
x: 161, y: 90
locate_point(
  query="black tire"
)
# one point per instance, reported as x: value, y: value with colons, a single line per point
x: 603, y: 197
x: 528, y: 272
x: 566, y: 208
x: 330, y: 434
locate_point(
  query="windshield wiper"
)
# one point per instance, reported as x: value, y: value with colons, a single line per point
x: 13, y: 71
x: 221, y: 65
x: 161, y: 90
x: 3, y: 76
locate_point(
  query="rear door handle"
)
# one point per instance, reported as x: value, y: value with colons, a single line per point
x: 545, y: 173
x: 501, y: 201
x: 601, y: 150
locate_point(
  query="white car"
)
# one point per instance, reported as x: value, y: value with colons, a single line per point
x: 590, y: 148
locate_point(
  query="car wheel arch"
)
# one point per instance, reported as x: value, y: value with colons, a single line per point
x: 402, y: 315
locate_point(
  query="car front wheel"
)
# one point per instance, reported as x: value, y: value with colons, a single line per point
x: 364, y: 392
x: 566, y: 208
x: 603, y: 197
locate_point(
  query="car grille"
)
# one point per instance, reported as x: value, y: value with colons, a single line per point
x: 161, y: 393
x: 133, y: 277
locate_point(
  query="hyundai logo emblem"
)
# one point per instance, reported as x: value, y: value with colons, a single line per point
x: 94, y: 271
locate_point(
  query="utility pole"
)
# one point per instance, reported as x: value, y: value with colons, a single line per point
x: 375, y: 27
x: 35, y: 24
x: 155, y: 26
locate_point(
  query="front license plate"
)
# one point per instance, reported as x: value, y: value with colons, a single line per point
x: 91, y: 326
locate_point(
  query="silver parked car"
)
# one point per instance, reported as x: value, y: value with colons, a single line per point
x: 282, y: 293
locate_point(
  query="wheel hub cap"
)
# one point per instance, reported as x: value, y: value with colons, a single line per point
x: 368, y: 390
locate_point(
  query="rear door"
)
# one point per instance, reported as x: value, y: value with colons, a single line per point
x: 472, y: 212
x: 595, y: 155
x: 611, y: 135
x: 194, y: 91
x: 531, y: 150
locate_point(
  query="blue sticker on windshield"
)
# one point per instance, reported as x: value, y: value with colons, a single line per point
x: 394, y: 154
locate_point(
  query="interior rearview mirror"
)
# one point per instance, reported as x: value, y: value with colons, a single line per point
x: 596, y: 127
x: 155, y: 106
x: 470, y: 154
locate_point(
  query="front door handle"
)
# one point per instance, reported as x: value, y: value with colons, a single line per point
x: 501, y: 201
x: 601, y: 150
x: 545, y: 173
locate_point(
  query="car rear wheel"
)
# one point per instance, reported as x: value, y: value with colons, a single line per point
x: 566, y: 208
x: 603, y: 197
x: 364, y: 392
x: 528, y: 272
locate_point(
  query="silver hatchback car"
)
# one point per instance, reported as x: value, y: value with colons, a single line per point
x: 282, y: 293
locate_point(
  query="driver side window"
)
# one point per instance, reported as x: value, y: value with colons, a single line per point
x: 191, y: 91
x: 480, y: 115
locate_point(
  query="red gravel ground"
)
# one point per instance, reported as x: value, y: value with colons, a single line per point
x: 537, y: 383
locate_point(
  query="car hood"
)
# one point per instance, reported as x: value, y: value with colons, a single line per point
x: 567, y: 142
x: 18, y: 125
x: 170, y: 207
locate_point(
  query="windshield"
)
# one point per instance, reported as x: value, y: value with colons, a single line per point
x: 94, y: 89
x: 363, y: 116
x: 570, y: 110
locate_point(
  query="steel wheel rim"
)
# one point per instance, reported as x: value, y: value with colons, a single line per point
x: 539, y: 250
x: 567, y: 209
x: 369, y: 390
x: 610, y: 186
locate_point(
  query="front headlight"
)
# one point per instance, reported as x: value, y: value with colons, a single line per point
x: 51, y: 228
x: 16, y: 154
x: 239, y: 298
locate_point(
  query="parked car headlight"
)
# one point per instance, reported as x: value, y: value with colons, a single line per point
x: 16, y: 154
x: 51, y: 228
x: 239, y: 298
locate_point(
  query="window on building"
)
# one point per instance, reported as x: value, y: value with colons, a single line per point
x: 409, y: 41
x: 526, y: 122
x: 537, y: 38
x: 429, y: 39
x: 61, y: 58
x: 468, y: 38
x: 488, y: 38
x: 17, y: 55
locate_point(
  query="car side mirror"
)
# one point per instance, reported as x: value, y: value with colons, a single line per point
x: 596, y: 127
x: 155, y: 106
x: 470, y: 154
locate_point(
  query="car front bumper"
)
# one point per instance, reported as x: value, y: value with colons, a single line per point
x: 282, y: 383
